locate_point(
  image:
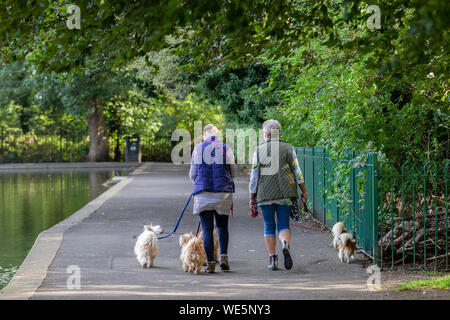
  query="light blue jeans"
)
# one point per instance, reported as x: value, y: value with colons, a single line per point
x: 283, y: 215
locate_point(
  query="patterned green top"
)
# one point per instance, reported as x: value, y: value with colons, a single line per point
x: 254, y: 177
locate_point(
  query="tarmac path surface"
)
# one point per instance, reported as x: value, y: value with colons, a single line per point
x: 101, y: 246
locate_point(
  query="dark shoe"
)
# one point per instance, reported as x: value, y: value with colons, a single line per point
x: 223, y: 260
x: 211, y: 267
x: 287, y: 256
x: 273, y: 264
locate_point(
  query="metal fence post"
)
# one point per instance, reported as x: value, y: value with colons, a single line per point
x: 446, y: 214
x: 372, y: 161
x: 388, y: 198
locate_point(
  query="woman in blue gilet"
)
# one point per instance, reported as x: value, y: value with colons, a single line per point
x: 212, y: 171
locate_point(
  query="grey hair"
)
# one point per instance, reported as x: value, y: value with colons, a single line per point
x: 271, y: 127
x: 210, y: 130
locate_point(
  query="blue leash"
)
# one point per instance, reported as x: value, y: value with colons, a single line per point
x: 179, y: 219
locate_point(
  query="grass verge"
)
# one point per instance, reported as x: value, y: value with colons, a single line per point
x: 441, y: 283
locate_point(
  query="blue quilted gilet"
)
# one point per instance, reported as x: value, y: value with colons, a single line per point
x: 214, y: 177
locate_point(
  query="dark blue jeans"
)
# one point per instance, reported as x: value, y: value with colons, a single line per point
x: 207, y: 222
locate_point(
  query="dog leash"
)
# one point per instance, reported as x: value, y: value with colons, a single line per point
x: 179, y: 219
x: 309, y: 228
x: 305, y: 207
x: 198, y: 229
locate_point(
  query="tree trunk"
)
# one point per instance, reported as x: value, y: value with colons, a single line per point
x: 98, y: 135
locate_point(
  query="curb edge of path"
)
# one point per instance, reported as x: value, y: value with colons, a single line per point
x: 34, y: 268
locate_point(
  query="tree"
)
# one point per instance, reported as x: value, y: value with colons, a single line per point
x: 43, y: 101
x: 17, y: 86
x: 238, y: 92
x: 88, y: 96
x: 406, y: 59
x: 114, y: 32
x: 341, y: 105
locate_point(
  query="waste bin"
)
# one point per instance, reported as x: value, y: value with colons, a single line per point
x: 133, y: 149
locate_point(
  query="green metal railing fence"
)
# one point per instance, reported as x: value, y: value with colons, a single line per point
x: 413, y: 216
x: 357, y: 211
x: 157, y: 148
x: 399, y: 217
x: 153, y: 148
x: 16, y: 146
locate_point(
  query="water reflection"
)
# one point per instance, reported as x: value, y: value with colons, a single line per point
x: 31, y: 202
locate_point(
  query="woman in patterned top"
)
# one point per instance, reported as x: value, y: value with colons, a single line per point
x: 273, y: 183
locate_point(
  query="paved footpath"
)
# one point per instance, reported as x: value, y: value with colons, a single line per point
x: 101, y: 245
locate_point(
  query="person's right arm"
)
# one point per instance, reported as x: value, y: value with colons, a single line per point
x: 299, y: 175
x: 253, y: 180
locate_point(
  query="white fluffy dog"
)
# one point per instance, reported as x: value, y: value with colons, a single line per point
x: 146, y: 247
x: 192, y: 253
x: 337, y: 230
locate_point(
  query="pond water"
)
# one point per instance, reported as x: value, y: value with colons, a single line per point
x: 31, y: 202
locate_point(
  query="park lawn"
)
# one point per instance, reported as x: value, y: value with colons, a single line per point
x: 442, y: 283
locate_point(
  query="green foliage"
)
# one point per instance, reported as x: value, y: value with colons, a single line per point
x: 341, y: 105
x: 135, y: 100
x: 18, y: 147
x: 176, y: 104
x: 333, y: 82
x: 239, y: 92
x: 16, y: 95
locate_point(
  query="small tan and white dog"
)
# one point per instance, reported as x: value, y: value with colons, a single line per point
x: 192, y: 253
x: 337, y: 230
x: 184, y: 238
x: 146, y: 248
x: 346, y: 247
